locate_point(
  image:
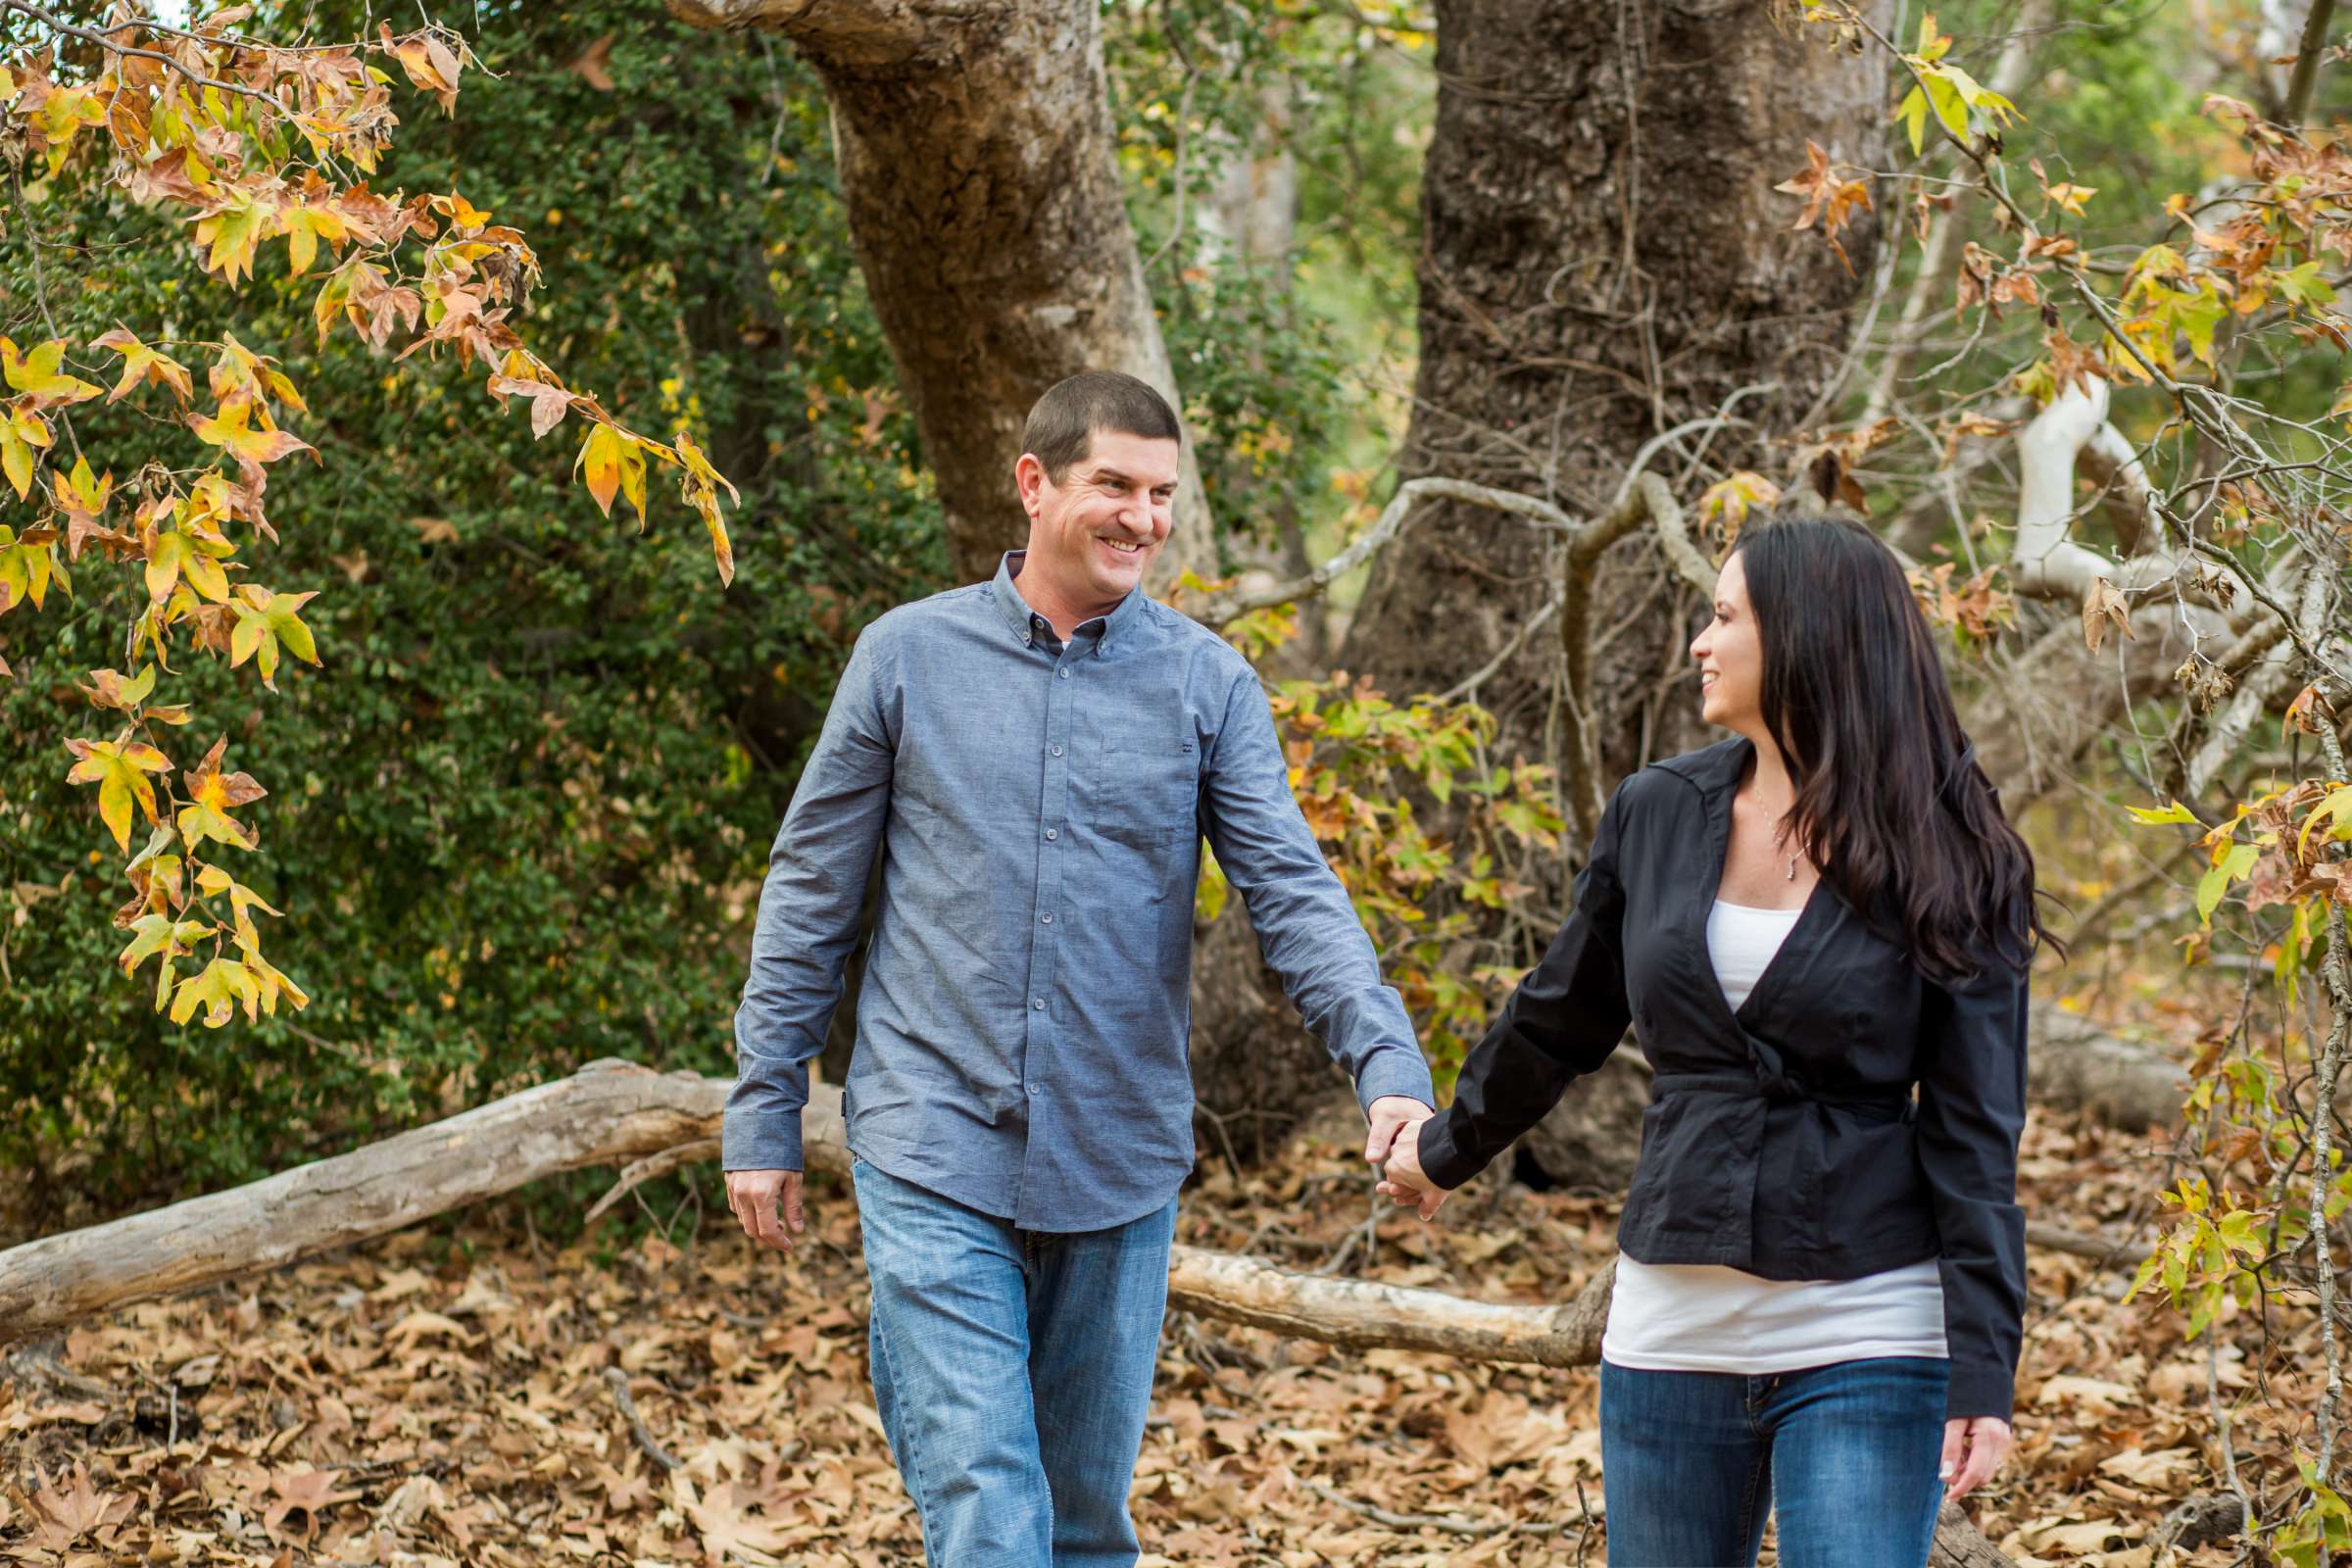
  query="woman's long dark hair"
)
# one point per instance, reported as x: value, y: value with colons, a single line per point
x: 1889, y: 798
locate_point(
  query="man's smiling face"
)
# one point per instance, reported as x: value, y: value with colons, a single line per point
x: 1097, y: 530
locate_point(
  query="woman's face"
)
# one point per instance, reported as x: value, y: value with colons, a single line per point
x: 1731, y: 654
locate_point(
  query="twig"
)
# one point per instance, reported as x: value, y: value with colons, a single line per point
x: 618, y: 1382
x: 1640, y: 496
x: 2307, y: 62
x: 1432, y: 1521
x: 1218, y: 1122
x: 644, y: 1170
x: 40, y: 283
x: 1911, y: 324
x: 2220, y: 1429
x: 194, y: 76
x: 2159, y: 868
x: 1184, y: 116
x: 1218, y: 609
x: 2294, y: 628
x: 1485, y: 671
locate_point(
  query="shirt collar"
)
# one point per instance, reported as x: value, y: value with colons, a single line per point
x: 1019, y: 615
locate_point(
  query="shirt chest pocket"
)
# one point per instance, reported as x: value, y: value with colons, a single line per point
x: 1147, y: 782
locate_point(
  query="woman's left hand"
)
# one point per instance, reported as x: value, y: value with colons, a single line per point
x: 1403, y: 1181
x: 1973, y: 1450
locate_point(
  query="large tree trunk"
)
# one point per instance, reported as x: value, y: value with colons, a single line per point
x: 1604, y: 257
x: 977, y: 155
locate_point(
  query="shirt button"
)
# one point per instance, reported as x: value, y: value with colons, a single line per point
x: 1033, y: 1089
x: 1056, y: 750
x: 1052, y: 834
x: 1064, y: 674
x: 1046, y: 918
x: 1039, y: 1003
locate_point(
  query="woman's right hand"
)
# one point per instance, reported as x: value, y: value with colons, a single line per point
x: 1402, y: 1178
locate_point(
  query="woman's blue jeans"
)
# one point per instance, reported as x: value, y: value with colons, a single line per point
x: 1012, y: 1370
x: 1846, y: 1455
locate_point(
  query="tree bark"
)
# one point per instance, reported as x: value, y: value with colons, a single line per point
x: 1366, y: 1315
x: 1604, y: 258
x: 975, y: 147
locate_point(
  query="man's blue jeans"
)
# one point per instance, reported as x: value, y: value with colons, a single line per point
x: 1014, y: 1372
x: 1845, y: 1455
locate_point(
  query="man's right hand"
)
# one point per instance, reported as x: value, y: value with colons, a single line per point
x: 753, y: 1196
x: 1405, y: 1181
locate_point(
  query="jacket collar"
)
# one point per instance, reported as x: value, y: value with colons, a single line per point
x: 1715, y: 771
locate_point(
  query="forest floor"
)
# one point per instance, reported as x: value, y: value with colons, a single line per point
x: 451, y: 1399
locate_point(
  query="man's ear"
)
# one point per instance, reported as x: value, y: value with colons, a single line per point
x: 1028, y: 477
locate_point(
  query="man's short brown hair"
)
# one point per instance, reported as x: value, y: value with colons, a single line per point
x: 1062, y: 425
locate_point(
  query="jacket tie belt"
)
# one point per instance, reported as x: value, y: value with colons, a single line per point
x: 1887, y: 1103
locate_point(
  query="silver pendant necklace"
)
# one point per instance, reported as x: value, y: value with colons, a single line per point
x: 1780, y: 841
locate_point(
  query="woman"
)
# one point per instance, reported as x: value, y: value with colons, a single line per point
x: 1821, y: 1287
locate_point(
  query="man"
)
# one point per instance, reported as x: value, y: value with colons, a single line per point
x: 1036, y: 758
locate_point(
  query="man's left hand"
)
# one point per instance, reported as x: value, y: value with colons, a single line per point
x: 1392, y: 1114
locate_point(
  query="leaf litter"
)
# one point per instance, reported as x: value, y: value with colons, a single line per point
x: 377, y: 1406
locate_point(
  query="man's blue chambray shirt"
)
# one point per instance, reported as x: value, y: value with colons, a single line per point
x: 1023, y: 1026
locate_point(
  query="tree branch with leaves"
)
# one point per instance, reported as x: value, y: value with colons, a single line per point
x: 237, y: 142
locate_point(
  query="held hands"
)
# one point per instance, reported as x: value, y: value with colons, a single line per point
x: 1973, y: 1448
x: 752, y: 1196
x: 1395, y: 1138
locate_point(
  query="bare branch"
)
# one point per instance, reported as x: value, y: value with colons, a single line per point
x: 2307, y: 62
x: 1911, y: 326
x: 112, y: 46
x: 1219, y: 609
x: 2317, y: 603
x: 855, y: 34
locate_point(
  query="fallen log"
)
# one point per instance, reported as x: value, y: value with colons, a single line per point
x: 607, y: 1111
x: 614, y: 1112
x: 2074, y: 1065
x: 1367, y: 1315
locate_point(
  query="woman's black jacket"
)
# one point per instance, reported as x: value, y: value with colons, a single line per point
x: 1781, y: 1138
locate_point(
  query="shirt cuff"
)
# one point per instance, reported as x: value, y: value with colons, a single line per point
x: 1395, y: 1070
x: 767, y: 1141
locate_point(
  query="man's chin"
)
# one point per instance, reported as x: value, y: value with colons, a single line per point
x: 1119, y: 575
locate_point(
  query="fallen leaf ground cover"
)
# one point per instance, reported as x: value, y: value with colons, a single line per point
x: 474, y: 1395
